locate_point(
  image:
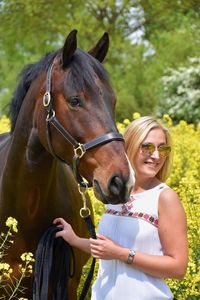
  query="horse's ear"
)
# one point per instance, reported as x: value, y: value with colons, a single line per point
x: 69, y: 48
x: 100, y: 50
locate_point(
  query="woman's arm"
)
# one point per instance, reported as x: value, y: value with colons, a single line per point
x: 173, y: 236
x: 68, y: 234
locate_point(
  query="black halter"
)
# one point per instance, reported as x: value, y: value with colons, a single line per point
x: 79, y: 149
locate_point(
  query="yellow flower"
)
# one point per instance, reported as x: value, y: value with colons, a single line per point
x: 136, y: 115
x: 12, y: 224
x: 166, y: 118
x: 126, y: 122
x: 4, y: 124
x: 27, y: 256
x: 4, y: 266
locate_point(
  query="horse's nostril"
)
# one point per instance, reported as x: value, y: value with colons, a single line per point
x: 116, y: 185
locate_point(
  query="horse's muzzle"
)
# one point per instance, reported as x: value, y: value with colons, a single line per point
x: 118, y: 190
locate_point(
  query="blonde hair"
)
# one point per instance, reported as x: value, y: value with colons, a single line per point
x: 134, y: 135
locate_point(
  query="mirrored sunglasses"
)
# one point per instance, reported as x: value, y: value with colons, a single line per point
x: 149, y: 149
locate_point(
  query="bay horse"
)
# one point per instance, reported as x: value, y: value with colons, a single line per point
x: 62, y: 132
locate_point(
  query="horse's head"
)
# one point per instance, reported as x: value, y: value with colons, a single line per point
x: 80, y: 106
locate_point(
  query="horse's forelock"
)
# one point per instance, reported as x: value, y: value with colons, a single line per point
x: 83, y: 67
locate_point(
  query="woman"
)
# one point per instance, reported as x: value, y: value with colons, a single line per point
x: 144, y: 240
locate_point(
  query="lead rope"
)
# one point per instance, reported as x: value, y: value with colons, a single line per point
x: 85, y: 214
x: 54, y: 264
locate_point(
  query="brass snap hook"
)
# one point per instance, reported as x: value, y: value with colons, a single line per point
x: 84, y: 211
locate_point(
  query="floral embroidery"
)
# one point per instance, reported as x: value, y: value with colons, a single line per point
x: 128, y: 205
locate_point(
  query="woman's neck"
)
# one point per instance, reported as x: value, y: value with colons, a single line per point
x: 145, y: 184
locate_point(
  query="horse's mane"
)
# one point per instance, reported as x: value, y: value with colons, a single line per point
x: 27, y: 76
x: 82, y: 67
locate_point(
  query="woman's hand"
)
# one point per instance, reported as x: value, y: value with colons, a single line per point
x: 105, y: 248
x: 67, y: 233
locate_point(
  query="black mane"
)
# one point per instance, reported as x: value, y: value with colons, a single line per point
x: 83, y: 66
x: 27, y: 76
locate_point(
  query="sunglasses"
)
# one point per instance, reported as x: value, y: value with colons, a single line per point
x: 149, y: 149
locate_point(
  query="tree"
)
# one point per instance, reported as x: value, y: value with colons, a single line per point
x: 29, y: 29
x: 169, y: 33
x: 181, y: 93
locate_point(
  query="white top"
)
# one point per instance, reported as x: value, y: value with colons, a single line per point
x: 117, y: 280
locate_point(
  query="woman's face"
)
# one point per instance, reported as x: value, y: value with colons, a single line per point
x: 149, y: 160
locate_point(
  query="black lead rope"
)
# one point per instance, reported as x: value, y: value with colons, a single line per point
x: 55, y: 264
x: 87, y: 283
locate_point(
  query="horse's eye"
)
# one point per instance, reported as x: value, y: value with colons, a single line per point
x: 75, y: 102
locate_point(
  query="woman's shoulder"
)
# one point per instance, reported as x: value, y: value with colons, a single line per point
x: 171, y: 211
x: 169, y: 200
x: 168, y: 194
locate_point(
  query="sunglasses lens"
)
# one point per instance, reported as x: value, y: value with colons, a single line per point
x: 148, y: 149
x: 164, y: 150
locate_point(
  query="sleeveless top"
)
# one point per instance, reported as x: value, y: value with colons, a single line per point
x: 132, y: 225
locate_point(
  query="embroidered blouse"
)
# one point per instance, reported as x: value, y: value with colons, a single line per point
x: 132, y: 225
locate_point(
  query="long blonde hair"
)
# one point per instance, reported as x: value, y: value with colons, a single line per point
x: 134, y: 135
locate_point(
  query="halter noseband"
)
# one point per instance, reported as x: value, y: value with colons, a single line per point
x: 79, y: 149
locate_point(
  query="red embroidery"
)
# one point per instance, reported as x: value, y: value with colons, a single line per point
x: 127, y: 206
x: 125, y: 213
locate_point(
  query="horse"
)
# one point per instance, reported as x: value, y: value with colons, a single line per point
x: 63, y: 138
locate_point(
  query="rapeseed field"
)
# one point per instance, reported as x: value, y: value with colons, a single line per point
x: 185, y: 180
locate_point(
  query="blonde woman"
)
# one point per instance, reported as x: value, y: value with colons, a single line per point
x: 145, y: 240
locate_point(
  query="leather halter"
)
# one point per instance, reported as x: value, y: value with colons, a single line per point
x: 79, y: 149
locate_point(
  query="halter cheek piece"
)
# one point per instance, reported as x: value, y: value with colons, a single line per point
x: 79, y: 149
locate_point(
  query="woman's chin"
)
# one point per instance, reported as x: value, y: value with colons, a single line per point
x: 150, y: 172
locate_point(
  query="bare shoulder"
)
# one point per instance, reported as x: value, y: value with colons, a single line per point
x: 169, y: 202
x: 168, y: 196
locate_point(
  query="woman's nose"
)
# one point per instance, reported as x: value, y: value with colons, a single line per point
x: 155, y: 154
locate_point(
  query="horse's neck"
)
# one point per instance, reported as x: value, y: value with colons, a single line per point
x: 29, y: 173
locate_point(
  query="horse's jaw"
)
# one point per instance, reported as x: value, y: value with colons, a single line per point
x: 119, y: 191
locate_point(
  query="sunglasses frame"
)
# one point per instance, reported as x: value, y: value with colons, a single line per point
x: 163, y: 150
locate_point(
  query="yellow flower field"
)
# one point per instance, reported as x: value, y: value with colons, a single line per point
x: 185, y: 179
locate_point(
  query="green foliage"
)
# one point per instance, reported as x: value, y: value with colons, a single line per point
x: 29, y: 29
x: 168, y: 16
x: 181, y: 93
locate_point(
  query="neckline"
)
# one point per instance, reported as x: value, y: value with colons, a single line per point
x: 156, y: 186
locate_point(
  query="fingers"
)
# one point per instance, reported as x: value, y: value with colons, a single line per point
x: 95, y: 252
x: 59, y: 234
x: 95, y: 247
x: 94, y: 242
x: 101, y: 237
x: 59, y: 220
x: 61, y: 223
x: 99, y: 240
